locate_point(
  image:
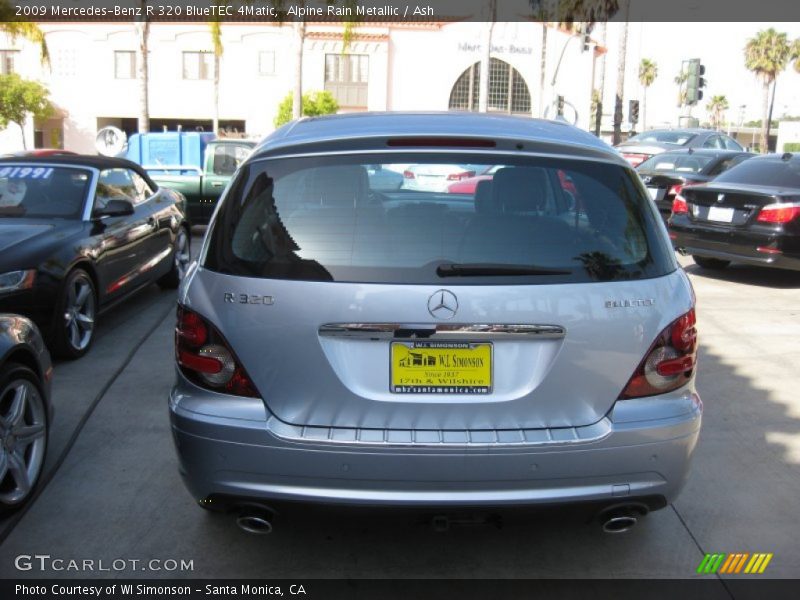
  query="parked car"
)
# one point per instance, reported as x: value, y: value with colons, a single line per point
x: 78, y: 234
x: 384, y: 179
x: 665, y: 174
x: 340, y: 345
x: 25, y: 409
x: 468, y: 185
x: 640, y: 147
x: 750, y: 214
x: 202, y: 185
x: 436, y: 178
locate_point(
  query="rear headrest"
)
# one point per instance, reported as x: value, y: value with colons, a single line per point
x: 345, y: 185
x: 519, y: 189
x: 483, y: 196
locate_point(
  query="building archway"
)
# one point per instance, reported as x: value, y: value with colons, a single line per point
x: 508, y: 92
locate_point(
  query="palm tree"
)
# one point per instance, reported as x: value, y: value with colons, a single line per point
x: 29, y: 31
x: 716, y: 108
x: 565, y: 13
x: 623, y: 49
x: 648, y: 71
x: 681, y: 79
x: 796, y: 54
x: 216, y: 42
x: 767, y: 55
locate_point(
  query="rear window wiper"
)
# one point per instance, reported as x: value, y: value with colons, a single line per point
x: 492, y: 269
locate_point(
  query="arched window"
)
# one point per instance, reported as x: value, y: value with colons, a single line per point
x: 508, y: 91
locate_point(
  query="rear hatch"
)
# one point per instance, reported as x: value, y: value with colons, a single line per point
x: 354, y: 309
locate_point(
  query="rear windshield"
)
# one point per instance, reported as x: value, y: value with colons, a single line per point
x: 684, y: 163
x: 394, y: 219
x: 666, y: 137
x: 35, y: 191
x: 774, y: 173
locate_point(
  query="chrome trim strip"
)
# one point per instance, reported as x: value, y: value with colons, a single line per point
x: 438, y: 331
x: 544, y: 437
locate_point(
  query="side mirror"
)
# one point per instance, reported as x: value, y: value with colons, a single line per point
x: 116, y: 207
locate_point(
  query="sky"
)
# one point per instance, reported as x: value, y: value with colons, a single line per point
x: 720, y: 47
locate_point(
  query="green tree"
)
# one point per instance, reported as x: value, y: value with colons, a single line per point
x: 767, y: 55
x: 796, y: 54
x: 716, y: 108
x: 19, y: 98
x: 681, y: 79
x: 30, y: 31
x: 648, y: 71
x: 314, y: 104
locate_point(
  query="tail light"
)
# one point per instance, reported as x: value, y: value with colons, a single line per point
x: 779, y: 213
x: 206, y: 359
x: 679, y: 205
x: 635, y: 159
x: 675, y: 189
x: 669, y: 362
x: 460, y: 176
x: 408, y: 174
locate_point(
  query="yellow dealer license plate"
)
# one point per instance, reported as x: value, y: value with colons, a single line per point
x: 422, y: 367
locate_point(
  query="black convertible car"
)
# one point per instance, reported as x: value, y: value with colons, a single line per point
x: 750, y: 214
x: 78, y: 234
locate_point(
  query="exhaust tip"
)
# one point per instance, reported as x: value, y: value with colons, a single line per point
x: 619, y: 524
x: 255, y: 519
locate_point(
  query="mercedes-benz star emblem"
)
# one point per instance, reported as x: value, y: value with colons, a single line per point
x: 443, y: 304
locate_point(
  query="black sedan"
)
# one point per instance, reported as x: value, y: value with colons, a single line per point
x: 640, y: 147
x: 666, y: 174
x: 25, y: 409
x: 80, y: 233
x: 750, y: 214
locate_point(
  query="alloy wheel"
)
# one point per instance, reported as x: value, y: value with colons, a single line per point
x: 182, y: 254
x: 22, y: 440
x: 79, y: 313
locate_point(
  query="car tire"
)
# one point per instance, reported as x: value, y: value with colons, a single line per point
x: 710, y: 263
x: 181, y: 257
x: 74, y: 321
x: 23, y: 416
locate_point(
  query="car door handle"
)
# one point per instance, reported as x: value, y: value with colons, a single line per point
x: 216, y: 184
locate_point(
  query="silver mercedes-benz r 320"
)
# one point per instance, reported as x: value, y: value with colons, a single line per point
x: 352, y: 335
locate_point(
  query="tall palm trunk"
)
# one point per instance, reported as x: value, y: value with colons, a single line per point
x: 486, y: 58
x: 483, y: 82
x: 215, y: 123
x: 142, y: 75
x: 543, y: 70
x: 764, y: 142
x: 297, y: 96
x: 623, y: 48
x: 644, y: 108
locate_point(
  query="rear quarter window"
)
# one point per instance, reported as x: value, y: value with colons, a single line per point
x: 326, y: 218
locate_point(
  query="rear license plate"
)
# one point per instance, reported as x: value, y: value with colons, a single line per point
x: 717, y: 213
x: 441, y: 368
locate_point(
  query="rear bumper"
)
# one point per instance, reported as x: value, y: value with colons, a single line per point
x: 641, y: 449
x: 736, y: 245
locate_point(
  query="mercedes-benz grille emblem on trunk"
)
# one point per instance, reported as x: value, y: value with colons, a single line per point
x: 443, y: 304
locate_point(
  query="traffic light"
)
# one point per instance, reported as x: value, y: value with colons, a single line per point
x: 695, y: 81
x: 587, y: 42
x: 633, y: 111
x: 560, y: 106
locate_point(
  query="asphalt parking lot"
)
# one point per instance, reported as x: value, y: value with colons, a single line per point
x: 115, y: 492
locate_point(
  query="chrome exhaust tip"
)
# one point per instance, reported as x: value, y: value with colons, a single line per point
x: 620, y: 518
x: 255, y: 519
x: 619, y: 524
